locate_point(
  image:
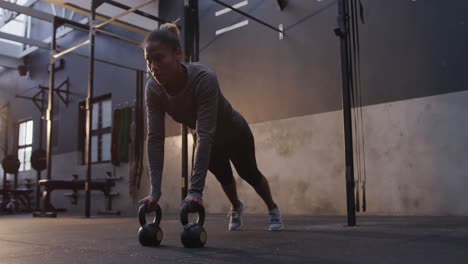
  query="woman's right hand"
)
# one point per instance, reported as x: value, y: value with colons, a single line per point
x: 151, y: 201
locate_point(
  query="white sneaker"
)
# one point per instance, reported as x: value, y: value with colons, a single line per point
x: 235, y: 217
x: 276, y: 224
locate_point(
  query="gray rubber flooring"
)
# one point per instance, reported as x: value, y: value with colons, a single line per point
x: 307, y: 239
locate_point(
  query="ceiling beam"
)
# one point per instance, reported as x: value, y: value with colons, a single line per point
x: 101, y: 17
x: 60, y: 33
x: 27, y: 41
x: 27, y: 11
x: 15, y: 15
x: 138, y: 12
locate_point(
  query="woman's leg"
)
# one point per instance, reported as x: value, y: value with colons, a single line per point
x: 243, y: 158
x: 221, y: 169
x: 263, y: 190
x: 231, y: 192
x: 242, y: 155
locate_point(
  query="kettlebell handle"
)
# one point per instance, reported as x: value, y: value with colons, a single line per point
x: 184, y: 211
x: 142, y: 211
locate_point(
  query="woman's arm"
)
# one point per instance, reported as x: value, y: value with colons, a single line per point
x: 207, y: 96
x: 155, y: 140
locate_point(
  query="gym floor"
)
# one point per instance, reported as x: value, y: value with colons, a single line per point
x: 74, y: 239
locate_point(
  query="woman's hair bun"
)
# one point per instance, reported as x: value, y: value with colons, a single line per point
x: 171, y: 27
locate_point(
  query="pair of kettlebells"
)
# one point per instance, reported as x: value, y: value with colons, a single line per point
x: 193, y: 235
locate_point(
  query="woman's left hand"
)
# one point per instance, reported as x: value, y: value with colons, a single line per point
x: 194, y: 202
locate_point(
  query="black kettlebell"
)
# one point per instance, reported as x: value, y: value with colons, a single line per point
x: 149, y: 235
x: 193, y: 235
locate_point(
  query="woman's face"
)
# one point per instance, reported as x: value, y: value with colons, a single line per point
x: 163, y: 62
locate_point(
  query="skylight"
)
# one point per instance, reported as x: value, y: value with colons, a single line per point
x: 12, y: 23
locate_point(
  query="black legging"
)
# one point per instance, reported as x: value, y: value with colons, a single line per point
x: 235, y: 143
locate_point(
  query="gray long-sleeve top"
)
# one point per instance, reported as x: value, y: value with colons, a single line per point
x: 201, y: 107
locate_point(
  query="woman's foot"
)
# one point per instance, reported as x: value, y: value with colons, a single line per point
x: 276, y: 223
x: 235, y: 217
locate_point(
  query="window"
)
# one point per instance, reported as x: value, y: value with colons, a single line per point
x: 100, y: 130
x: 25, y: 136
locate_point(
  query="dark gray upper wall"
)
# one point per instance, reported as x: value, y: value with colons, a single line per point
x: 414, y: 49
x: 409, y: 49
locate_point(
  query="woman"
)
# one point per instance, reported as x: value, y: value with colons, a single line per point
x: 190, y: 94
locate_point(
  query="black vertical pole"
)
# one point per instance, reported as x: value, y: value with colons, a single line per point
x: 139, y: 125
x: 89, y: 108
x: 195, y: 32
x: 342, y: 32
x: 191, y: 55
x: 41, y: 128
x: 50, y: 113
x: 184, y: 162
x: 4, y: 193
x: 187, y: 51
x: 7, y: 123
x: 50, y: 108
